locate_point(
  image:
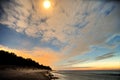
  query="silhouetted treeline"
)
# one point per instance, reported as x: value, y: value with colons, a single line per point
x: 10, y: 60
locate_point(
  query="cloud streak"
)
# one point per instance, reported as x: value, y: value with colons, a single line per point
x: 105, y: 56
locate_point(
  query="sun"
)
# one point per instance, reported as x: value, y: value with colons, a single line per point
x: 46, y: 4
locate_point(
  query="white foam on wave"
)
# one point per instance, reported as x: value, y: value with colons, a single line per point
x: 60, y: 76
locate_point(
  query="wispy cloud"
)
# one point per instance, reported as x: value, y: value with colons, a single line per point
x: 70, y: 62
x: 114, y: 40
x: 105, y: 56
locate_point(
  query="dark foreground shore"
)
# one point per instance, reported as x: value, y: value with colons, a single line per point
x: 24, y: 75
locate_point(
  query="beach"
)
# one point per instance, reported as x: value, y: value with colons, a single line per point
x: 58, y: 75
x: 24, y: 75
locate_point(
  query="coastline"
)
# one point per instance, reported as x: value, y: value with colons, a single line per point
x: 25, y: 75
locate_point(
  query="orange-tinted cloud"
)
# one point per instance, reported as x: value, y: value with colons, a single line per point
x: 92, y: 68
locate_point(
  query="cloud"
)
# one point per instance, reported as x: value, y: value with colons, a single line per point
x: 30, y: 18
x: 70, y: 62
x: 70, y: 25
x: 98, y: 29
x: 78, y: 68
x: 78, y: 61
x: 114, y: 40
x: 105, y: 56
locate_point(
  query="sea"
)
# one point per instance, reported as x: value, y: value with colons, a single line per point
x: 87, y: 75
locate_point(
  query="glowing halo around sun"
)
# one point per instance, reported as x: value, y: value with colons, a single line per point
x: 46, y: 4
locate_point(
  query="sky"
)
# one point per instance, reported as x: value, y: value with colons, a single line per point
x: 70, y: 34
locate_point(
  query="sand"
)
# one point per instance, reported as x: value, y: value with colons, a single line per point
x: 24, y: 75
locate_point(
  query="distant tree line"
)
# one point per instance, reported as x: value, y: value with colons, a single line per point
x: 10, y: 60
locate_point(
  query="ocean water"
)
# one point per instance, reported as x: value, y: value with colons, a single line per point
x: 87, y: 75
